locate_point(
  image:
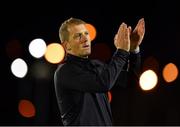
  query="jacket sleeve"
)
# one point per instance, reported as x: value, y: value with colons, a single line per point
x: 95, y: 79
x: 134, y: 68
x: 130, y: 72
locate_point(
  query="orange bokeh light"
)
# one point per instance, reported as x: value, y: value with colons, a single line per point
x: 54, y: 53
x: 170, y: 72
x: 26, y: 108
x: 92, y: 31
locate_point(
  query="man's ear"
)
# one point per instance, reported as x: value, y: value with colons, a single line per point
x: 66, y: 46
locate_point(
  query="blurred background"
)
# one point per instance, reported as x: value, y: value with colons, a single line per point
x: 30, y: 52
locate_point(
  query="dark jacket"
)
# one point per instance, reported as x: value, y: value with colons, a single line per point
x: 81, y: 85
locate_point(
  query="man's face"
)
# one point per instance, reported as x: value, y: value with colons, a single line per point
x: 79, y: 43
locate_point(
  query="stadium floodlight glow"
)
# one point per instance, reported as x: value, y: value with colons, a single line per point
x: 37, y: 48
x: 19, y: 68
x: 148, y: 80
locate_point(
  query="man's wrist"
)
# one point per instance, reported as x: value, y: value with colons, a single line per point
x: 135, y: 51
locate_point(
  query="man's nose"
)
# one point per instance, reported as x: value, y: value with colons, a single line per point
x: 84, y: 38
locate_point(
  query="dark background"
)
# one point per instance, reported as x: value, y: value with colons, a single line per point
x: 23, y: 22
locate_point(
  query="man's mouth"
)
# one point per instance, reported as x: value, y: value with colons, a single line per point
x: 85, y: 46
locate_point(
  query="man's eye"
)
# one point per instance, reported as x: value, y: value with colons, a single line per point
x: 77, y: 35
x: 86, y: 33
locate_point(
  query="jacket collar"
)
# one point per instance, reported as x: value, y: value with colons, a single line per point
x: 70, y: 57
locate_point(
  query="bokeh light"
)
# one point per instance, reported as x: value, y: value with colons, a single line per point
x: 148, y: 80
x: 170, y: 72
x: 151, y: 63
x: 55, y: 53
x: 26, y: 108
x: 19, y: 68
x: 109, y: 96
x: 92, y: 31
x: 45, y: 72
x: 14, y: 49
x: 37, y: 48
x: 101, y: 51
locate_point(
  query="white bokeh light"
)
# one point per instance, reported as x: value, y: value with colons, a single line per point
x: 37, y: 48
x: 19, y: 68
x: 148, y: 80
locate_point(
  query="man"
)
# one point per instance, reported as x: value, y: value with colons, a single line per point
x: 81, y: 84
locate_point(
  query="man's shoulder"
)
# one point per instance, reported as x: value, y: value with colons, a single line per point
x: 64, y: 67
x: 60, y: 66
